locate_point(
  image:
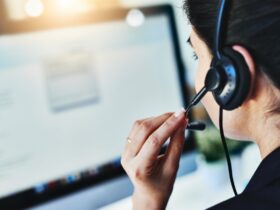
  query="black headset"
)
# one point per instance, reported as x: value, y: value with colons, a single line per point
x: 229, y: 72
x: 228, y: 78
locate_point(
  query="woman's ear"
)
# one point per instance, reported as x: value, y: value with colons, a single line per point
x: 252, y: 67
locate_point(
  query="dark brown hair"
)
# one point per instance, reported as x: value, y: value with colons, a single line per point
x: 254, y: 24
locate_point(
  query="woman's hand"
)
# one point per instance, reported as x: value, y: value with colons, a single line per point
x: 152, y: 174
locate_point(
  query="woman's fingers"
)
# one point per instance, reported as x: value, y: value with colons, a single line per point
x: 151, y: 148
x: 142, y: 161
x: 142, y: 131
x: 174, y: 150
x: 135, y: 127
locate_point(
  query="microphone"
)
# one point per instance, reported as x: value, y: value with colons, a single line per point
x: 212, y: 82
x: 196, y: 126
x: 196, y: 99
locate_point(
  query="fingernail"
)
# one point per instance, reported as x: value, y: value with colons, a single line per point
x: 178, y: 113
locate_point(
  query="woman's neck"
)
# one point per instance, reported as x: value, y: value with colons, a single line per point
x: 268, y: 136
x: 264, y: 121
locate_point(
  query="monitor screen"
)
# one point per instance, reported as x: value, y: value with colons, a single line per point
x: 69, y: 96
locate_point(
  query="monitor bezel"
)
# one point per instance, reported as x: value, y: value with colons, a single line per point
x: 29, y: 198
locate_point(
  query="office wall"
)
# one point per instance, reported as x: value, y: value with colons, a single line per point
x: 17, y: 12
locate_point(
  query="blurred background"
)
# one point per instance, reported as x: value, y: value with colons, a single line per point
x: 202, y: 180
x: 17, y: 10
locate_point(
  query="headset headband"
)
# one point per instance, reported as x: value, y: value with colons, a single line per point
x: 218, y: 41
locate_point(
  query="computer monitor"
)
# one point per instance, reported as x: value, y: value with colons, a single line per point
x: 70, y: 90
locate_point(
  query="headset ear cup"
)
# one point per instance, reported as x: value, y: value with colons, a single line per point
x: 244, y: 79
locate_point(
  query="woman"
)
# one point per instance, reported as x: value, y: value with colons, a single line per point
x: 253, y: 31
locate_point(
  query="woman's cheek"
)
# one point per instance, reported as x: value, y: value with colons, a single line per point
x: 208, y: 101
x: 200, y: 77
x: 212, y: 108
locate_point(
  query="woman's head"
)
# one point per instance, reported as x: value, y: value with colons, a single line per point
x: 252, y: 29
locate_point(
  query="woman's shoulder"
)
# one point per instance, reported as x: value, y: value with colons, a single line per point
x: 263, y: 189
x: 266, y: 198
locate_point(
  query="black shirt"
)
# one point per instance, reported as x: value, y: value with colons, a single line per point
x: 263, y: 190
